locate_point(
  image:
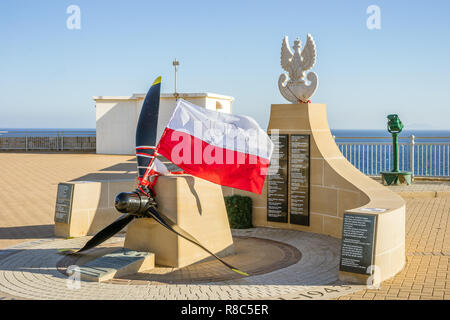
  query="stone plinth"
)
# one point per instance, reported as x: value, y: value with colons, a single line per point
x: 195, y: 205
x: 92, y: 207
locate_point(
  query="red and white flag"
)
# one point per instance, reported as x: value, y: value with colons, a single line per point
x: 230, y: 150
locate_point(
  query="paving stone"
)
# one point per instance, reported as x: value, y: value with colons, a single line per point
x: 27, y: 226
x: 427, y: 227
x: 42, y: 279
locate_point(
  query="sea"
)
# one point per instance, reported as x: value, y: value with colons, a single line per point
x: 35, y: 132
x: 340, y: 134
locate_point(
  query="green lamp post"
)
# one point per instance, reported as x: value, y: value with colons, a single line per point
x: 395, y: 126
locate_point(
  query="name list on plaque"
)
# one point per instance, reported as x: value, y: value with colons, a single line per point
x: 299, y: 179
x: 277, y: 181
x: 63, y: 207
x: 358, y: 236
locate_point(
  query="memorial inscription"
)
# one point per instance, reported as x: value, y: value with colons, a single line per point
x: 63, y: 207
x: 358, y: 236
x: 277, y: 183
x: 299, y: 179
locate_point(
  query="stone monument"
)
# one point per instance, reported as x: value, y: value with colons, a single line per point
x: 314, y: 188
x: 311, y: 187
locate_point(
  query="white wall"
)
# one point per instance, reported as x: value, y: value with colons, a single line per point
x: 115, y: 124
x: 117, y: 117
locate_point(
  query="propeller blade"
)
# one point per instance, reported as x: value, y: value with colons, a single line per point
x: 147, y: 127
x: 172, y: 226
x: 108, y: 232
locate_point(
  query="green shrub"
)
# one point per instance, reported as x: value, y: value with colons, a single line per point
x: 239, y: 209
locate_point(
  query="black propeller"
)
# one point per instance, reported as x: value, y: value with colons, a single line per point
x: 141, y: 203
x: 108, y: 232
x: 131, y: 203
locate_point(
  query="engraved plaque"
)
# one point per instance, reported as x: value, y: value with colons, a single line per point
x: 299, y: 179
x: 277, y: 181
x: 358, y: 236
x: 107, y: 266
x: 63, y: 207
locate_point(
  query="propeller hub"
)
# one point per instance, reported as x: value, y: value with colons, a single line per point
x: 128, y: 202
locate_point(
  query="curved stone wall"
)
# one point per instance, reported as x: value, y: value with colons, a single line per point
x: 337, y: 187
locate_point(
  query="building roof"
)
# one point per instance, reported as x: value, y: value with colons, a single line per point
x: 137, y: 96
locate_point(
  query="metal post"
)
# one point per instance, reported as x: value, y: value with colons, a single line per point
x: 395, y: 152
x: 411, y: 153
x: 26, y: 141
x: 175, y: 63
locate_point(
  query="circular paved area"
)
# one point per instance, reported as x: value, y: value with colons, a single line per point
x: 253, y: 255
x: 30, y: 271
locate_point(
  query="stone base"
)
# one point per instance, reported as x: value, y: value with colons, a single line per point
x: 195, y: 205
x: 354, y: 278
x: 396, y: 178
x: 92, y: 207
x: 119, y: 263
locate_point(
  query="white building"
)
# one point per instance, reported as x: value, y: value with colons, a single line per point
x: 117, y: 117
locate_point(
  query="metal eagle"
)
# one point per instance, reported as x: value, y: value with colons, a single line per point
x: 296, y: 64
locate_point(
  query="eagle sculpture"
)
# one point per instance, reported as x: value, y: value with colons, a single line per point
x: 296, y: 64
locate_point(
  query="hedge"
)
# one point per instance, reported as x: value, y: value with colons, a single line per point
x: 239, y: 209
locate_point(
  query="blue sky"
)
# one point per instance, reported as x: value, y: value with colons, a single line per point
x: 48, y: 73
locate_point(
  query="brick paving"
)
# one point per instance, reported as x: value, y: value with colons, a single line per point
x: 427, y: 271
x: 28, y: 185
x: 30, y: 271
x: 422, y: 188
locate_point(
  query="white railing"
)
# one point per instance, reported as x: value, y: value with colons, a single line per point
x: 48, y: 140
x: 430, y: 159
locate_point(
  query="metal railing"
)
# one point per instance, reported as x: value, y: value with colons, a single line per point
x: 416, y: 154
x: 48, y: 140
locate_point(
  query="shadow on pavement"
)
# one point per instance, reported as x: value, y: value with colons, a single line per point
x: 27, y: 232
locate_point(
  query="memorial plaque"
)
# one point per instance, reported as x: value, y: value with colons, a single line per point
x: 63, y: 207
x: 120, y: 262
x: 277, y: 181
x: 299, y: 179
x: 358, y: 236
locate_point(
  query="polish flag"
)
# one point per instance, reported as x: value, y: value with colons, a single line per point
x: 230, y: 150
